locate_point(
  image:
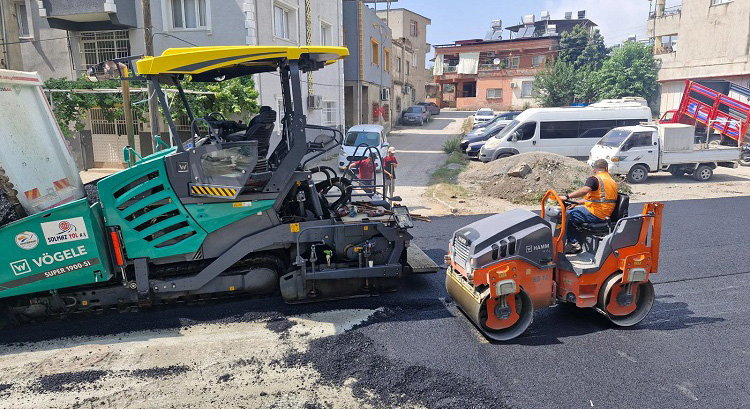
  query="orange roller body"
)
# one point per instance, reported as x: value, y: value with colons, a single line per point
x: 502, y: 268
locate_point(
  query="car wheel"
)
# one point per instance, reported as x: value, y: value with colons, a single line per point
x: 703, y: 173
x: 745, y: 158
x: 637, y: 174
x: 503, y: 155
x: 421, y: 122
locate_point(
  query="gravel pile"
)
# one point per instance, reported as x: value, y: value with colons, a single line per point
x: 159, y: 371
x: 384, y: 382
x: 7, y: 215
x: 281, y: 326
x: 68, y: 381
x: 525, y: 178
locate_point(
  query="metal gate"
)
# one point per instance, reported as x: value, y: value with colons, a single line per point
x: 110, y: 137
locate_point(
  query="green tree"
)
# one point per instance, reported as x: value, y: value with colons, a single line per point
x: 555, y: 84
x: 586, y: 85
x: 231, y: 97
x: 630, y: 71
x: 582, y: 49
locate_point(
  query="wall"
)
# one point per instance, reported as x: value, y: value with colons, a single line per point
x: 399, y: 21
x: 713, y: 40
x: 47, y: 52
x: 327, y: 82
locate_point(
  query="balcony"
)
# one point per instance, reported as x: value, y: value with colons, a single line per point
x: 668, y: 11
x: 89, y: 15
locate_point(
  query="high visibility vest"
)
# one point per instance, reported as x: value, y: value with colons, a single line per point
x: 601, y: 202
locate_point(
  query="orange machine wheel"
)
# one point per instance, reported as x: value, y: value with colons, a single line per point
x: 625, y: 307
x: 509, y: 320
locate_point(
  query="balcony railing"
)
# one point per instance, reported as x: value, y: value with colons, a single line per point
x: 450, y: 68
x: 668, y: 11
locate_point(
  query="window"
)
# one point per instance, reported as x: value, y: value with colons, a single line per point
x: 398, y: 64
x: 496, y: 93
x: 537, y: 60
x: 281, y: 22
x: 630, y: 122
x: 375, y: 52
x: 718, y: 2
x: 641, y: 139
x: 326, y: 34
x: 514, y: 62
x: 387, y: 59
x: 525, y: 131
x: 527, y: 89
x: 407, y: 69
x: 414, y: 59
x: 558, y: 130
x: 329, y: 113
x: 188, y: 14
x: 98, y: 46
x: 595, y: 129
x: 413, y: 28
x: 22, y: 16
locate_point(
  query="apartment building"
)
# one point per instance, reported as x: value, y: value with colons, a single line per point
x: 498, y: 71
x: 699, y: 39
x: 404, y: 77
x: 62, y: 38
x: 409, y: 29
x: 367, y: 71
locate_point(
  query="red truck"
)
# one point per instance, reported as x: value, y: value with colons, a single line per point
x: 707, y: 104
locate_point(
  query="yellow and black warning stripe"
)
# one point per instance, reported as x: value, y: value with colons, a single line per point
x: 213, y: 191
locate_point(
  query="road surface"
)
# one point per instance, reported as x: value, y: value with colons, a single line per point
x: 413, y: 348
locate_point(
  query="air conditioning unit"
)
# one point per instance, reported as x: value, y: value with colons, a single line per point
x: 568, y: 15
x: 314, y: 101
x: 385, y: 94
x: 514, y: 85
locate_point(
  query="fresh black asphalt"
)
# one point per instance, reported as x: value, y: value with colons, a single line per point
x: 692, y: 351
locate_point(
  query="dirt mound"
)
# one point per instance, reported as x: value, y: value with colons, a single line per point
x: 525, y: 178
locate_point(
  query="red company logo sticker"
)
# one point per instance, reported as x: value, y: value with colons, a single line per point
x: 66, y: 230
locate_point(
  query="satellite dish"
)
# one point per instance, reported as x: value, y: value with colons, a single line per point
x: 496, y: 61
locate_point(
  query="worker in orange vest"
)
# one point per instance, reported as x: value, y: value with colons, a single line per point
x: 599, y: 195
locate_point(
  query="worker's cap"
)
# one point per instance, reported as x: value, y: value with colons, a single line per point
x: 391, y: 150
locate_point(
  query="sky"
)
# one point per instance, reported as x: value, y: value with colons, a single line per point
x: 465, y: 19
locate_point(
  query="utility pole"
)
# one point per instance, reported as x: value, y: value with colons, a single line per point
x: 153, y: 107
x: 12, y: 44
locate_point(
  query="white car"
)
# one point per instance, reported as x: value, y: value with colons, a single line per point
x: 483, y: 115
x: 358, y: 141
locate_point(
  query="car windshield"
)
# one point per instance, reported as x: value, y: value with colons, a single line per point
x: 485, y: 112
x: 357, y: 138
x: 414, y: 110
x: 506, y: 116
x: 493, y: 127
x: 511, y: 126
x: 614, y: 138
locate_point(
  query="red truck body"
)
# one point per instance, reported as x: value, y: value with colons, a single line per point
x: 707, y: 102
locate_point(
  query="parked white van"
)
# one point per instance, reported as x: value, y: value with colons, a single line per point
x: 361, y: 137
x: 569, y: 131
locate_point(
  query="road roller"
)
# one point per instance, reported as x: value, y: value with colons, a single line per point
x: 504, y: 267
